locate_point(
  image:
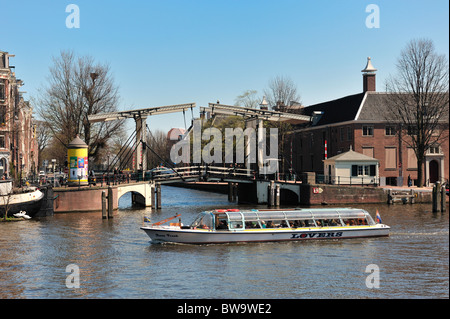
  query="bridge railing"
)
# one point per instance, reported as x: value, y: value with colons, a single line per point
x: 203, y: 171
x: 166, y: 174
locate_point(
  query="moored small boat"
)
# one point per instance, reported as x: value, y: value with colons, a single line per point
x: 233, y: 225
x: 29, y: 202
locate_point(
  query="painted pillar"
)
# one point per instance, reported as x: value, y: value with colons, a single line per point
x: 77, y: 157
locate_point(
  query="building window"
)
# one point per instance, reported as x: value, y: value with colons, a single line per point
x: 2, y: 115
x: 412, y: 159
x: 390, y: 130
x: 412, y: 130
x: 2, y: 90
x: 2, y: 141
x: 363, y: 170
x: 434, y: 149
x: 349, y: 134
x: 390, y: 157
x: 367, y: 130
x: 368, y: 151
x: 341, y: 134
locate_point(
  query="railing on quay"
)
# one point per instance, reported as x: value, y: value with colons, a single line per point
x: 347, y: 180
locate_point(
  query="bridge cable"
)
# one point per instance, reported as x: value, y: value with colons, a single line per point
x: 122, y: 150
x: 130, y: 153
x: 164, y: 161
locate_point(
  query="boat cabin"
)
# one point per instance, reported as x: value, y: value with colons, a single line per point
x: 234, y: 219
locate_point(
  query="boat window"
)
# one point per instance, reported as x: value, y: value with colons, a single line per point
x: 250, y: 225
x: 234, y: 216
x: 355, y: 221
x: 204, y: 221
x: 352, y: 214
x: 277, y: 223
x: 222, y: 223
x: 235, y: 220
x: 328, y: 222
x: 237, y: 224
x: 251, y: 216
x: 326, y: 215
x: 369, y: 220
x: 298, y: 223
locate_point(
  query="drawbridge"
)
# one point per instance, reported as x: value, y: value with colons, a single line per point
x: 139, y: 135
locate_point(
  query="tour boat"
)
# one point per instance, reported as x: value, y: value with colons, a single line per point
x: 233, y: 225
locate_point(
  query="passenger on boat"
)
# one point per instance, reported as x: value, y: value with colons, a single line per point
x: 222, y: 225
x: 251, y: 225
x: 263, y: 224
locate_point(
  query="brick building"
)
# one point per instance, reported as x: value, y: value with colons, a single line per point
x: 356, y: 122
x: 18, y: 143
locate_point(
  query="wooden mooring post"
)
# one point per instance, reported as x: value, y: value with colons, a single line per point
x: 277, y: 194
x: 232, y: 191
x: 271, y: 193
x: 153, y: 197
x: 274, y: 191
x: 438, y: 198
x: 104, y: 216
x: 110, y: 202
x: 158, y: 196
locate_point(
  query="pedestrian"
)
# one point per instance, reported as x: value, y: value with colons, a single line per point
x: 409, y: 181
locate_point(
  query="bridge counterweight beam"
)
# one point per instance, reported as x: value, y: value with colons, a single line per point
x: 140, y: 160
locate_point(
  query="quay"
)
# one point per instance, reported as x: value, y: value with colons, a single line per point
x: 243, y: 189
x: 89, y: 198
x: 294, y: 193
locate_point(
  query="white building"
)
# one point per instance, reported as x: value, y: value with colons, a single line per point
x: 351, y: 168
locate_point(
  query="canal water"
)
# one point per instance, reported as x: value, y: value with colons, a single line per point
x: 117, y: 260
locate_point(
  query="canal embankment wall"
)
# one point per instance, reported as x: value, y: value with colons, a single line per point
x: 339, y: 194
x: 319, y: 194
x: 84, y: 199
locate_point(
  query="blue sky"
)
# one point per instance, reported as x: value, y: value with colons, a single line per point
x: 182, y: 51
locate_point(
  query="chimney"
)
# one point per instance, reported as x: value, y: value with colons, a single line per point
x: 369, y: 80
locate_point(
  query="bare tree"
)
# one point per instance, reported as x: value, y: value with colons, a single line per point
x: 418, y: 98
x: 43, y: 138
x: 248, y: 99
x: 281, y: 92
x: 157, y: 149
x: 79, y: 87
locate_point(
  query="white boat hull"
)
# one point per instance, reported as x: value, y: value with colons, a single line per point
x: 29, y: 202
x: 197, y: 236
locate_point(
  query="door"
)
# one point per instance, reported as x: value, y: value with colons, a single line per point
x: 434, y: 171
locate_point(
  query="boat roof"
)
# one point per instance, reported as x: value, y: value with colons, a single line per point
x: 304, y: 213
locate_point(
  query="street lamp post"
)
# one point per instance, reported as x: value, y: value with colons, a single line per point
x: 54, y: 171
x: 20, y: 172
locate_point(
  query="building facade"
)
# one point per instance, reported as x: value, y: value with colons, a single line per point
x: 18, y: 140
x: 359, y: 122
